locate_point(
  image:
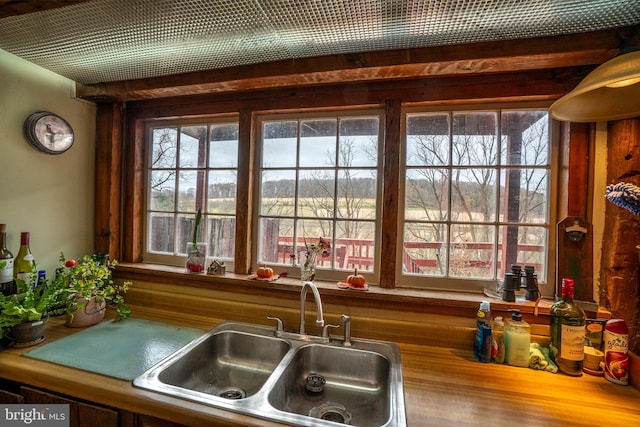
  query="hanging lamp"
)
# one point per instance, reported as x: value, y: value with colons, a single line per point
x: 610, y: 92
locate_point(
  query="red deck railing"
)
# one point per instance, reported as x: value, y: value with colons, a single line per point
x: 359, y: 253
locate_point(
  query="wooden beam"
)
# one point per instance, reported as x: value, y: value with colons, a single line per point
x: 108, y: 169
x: 244, y: 201
x: 583, y: 49
x: 391, y: 191
x: 21, y: 7
x: 619, y: 278
x: 545, y: 86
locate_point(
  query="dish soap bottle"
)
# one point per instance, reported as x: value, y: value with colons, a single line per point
x: 497, y: 352
x: 483, y: 343
x: 517, y: 340
x: 567, y: 332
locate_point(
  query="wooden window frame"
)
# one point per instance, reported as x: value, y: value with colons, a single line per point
x: 121, y: 149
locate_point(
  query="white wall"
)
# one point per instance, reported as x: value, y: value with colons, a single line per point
x: 51, y: 196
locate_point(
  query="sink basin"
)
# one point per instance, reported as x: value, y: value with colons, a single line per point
x: 232, y: 362
x: 337, y: 384
x: 229, y: 364
x: 247, y: 369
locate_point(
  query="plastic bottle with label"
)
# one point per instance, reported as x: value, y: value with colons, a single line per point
x: 517, y: 340
x: 616, y: 347
x: 497, y: 353
x: 483, y: 342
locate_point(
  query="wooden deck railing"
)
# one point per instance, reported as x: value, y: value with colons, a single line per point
x: 359, y: 253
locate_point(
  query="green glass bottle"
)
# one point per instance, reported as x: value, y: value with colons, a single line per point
x: 7, y: 284
x: 567, y: 332
x: 24, y: 264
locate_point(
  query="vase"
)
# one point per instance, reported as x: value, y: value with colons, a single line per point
x: 196, y: 257
x: 91, y: 313
x: 29, y: 333
x: 308, y: 266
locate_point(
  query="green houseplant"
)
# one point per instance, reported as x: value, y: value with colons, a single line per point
x: 90, y: 288
x: 24, y: 315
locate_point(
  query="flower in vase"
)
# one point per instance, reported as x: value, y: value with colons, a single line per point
x: 322, y: 247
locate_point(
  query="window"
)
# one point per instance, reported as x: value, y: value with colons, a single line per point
x: 476, y: 196
x: 191, y: 166
x: 318, y: 177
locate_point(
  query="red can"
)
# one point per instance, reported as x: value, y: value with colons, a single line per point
x: 616, y: 347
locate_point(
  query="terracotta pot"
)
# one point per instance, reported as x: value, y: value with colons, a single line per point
x: 90, y: 314
x: 29, y: 333
x: 634, y: 370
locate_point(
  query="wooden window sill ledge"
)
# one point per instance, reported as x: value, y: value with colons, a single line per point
x: 401, y: 299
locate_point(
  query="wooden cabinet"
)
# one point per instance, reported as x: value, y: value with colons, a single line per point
x: 147, y: 421
x: 81, y: 413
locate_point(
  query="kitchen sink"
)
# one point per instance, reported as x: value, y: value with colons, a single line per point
x: 336, y: 384
x: 226, y: 364
x: 249, y: 370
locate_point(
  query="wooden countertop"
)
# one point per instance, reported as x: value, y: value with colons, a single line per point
x: 443, y: 387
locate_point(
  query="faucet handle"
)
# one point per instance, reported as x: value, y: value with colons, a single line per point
x: 325, y: 330
x: 279, y: 325
x: 346, y: 322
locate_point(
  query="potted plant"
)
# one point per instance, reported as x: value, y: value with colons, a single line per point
x: 23, y: 316
x: 196, y: 251
x: 90, y: 289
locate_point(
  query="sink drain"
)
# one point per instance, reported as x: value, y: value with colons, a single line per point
x: 315, y: 383
x: 233, y: 393
x: 331, y: 412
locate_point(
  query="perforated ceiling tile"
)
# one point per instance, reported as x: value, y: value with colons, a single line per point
x: 110, y: 40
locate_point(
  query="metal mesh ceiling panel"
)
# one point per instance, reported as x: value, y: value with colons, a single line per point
x: 111, y: 40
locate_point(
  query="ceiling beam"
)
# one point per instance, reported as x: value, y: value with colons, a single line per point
x: 583, y: 49
x: 20, y: 7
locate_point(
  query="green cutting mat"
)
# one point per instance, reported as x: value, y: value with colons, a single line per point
x: 123, y: 349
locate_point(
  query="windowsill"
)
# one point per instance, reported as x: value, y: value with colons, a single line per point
x: 401, y: 299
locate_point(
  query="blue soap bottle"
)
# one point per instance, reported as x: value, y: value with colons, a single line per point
x: 483, y: 342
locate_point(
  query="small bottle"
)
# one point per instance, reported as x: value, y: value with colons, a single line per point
x: 7, y: 284
x: 497, y: 352
x: 567, y: 332
x: 24, y: 264
x: 517, y: 340
x: 616, y: 347
x: 483, y: 342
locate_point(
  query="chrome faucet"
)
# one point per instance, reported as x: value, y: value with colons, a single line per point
x: 303, y: 296
x: 346, y: 322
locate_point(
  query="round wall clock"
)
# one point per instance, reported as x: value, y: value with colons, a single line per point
x: 48, y: 132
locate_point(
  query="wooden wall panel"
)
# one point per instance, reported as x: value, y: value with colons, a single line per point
x: 619, y: 279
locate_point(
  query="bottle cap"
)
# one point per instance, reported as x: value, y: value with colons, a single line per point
x: 516, y: 315
x: 568, y: 287
x: 485, y: 306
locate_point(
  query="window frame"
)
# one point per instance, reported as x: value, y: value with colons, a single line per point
x: 546, y: 282
x: 209, y: 120
x: 131, y: 223
x: 318, y: 114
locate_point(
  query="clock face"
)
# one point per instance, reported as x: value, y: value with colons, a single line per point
x: 48, y: 132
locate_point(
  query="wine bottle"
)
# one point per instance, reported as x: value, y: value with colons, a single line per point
x: 567, y: 332
x: 7, y: 284
x: 24, y: 264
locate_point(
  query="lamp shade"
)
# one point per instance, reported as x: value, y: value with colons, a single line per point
x: 610, y: 92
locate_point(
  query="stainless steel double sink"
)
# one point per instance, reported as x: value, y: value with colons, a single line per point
x: 245, y: 368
